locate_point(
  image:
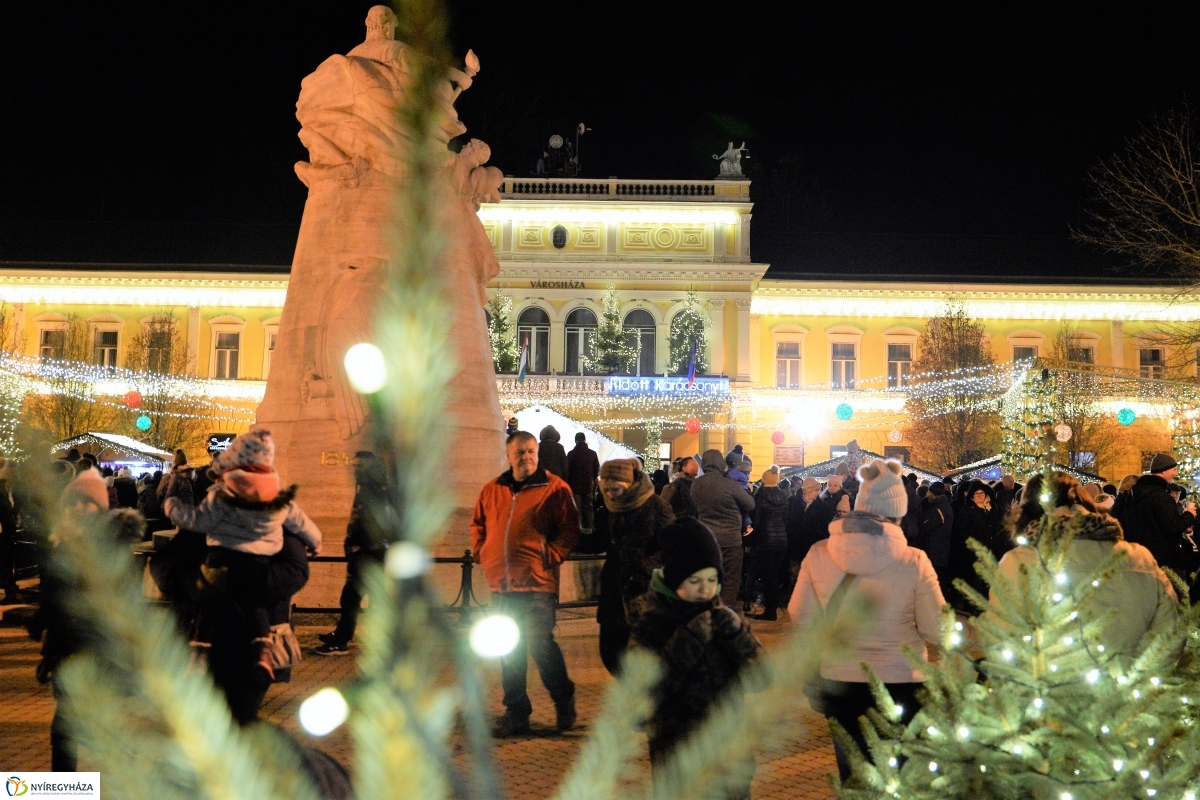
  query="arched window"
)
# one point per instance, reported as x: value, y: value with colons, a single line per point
x: 639, y: 328
x: 533, y: 330
x: 581, y: 331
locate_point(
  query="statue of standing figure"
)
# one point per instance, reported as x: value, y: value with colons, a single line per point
x: 731, y: 161
x: 351, y: 123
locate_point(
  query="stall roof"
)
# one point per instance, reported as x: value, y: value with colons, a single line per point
x: 825, y: 468
x: 989, y: 469
x: 122, y: 445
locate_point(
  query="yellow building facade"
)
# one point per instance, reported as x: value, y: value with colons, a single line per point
x: 784, y: 356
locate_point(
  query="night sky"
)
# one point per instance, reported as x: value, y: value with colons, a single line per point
x: 948, y: 139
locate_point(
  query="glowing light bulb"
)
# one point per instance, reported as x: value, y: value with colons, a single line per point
x: 1145, y: 773
x: 892, y: 761
x: 1118, y: 764
x: 1104, y: 729
x: 1093, y: 675
x: 406, y: 560
x: 1018, y: 749
x: 1037, y: 702
x: 324, y: 711
x: 1150, y: 741
x: 1021, y: 540
x: 1008, y: 655
x: 964, y: 732
x: 1056, y: 597
x: 983, y: 767
x: 958, y: 626
x: 494, y: 636
x: 1068, y: 640
x: 933, y: 767
x: 365, y: 368
x: 1061, y: 578
x: 1045, y: 497
x: 955, y: 639
x: 1136, y: 694
x: 1100, y: 648
x: 932, y: 730
x: 1065, y: 796
x: 1095, y: 583
x: 1155, y: 681
x: 1054, y: 667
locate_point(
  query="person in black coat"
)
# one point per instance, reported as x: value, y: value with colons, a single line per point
x: 770, y: 541
x: 8, y: 537
x: 627, y: 529
x: 1006, y: 493
x: 935, y: 532
x: 975, y: 521
x: 911, y: 522
x: 821, y: 512
x: 551, y: 454
x: 228, y: 616
x: 1151, y: 517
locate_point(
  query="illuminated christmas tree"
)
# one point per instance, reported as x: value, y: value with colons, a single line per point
x: 500, y: 333
x: 1035, y: 705
x: 612, y: 351
x: 688, y: 328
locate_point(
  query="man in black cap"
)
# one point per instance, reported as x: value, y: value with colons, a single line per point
x: 1151, y: 517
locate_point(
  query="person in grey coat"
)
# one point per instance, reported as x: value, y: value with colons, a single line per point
x: 722, y: 504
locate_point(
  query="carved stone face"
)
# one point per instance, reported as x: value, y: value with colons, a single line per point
x: 381, y: 23
x: 478, y: 152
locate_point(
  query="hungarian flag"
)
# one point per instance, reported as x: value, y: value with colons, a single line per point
x: 523, y: 367
x: 692, y: 364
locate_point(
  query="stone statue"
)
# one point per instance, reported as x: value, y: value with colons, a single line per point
x: 349, y: 112
x: 731, y: 161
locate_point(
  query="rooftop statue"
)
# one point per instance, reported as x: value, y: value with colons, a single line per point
x: 350, y: 115
x: 731, y: 161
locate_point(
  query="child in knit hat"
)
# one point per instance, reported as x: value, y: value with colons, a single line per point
x: 703, y: 644
x: 243, y: 517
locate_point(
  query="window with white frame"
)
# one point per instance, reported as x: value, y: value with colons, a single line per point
x: 270, y: 337
x: 1152, y: 362
x: 581, y: 334
x: 787, y: 365
x: 900, y: 358
x: 52, y: 343
x: 845, y: 362
x: 1081, y: 353
x: 104, y: 347
x: 642, y: 334
x: 225, y: 355
x: 533, y: 331
x: 1024, y: 352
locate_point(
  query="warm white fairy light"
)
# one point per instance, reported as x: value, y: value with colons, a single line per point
x: 612, y: 213
x: 365, y: 368
x: 1093, y: 675
x: 494, y: 636
x: 1121, y: 306
x: 406, y: 560
x: 155, y: 292
x: 324, y: 711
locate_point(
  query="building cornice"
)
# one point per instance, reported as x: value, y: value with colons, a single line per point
x: 983, y: 301
x: 162, y: 289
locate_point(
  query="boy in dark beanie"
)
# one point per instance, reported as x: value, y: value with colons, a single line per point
x: 703, y: 644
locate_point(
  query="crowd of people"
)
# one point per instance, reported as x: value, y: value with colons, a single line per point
x: 689, y: 554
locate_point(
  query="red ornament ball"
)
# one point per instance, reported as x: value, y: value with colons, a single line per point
x: 692, y: 425
x: 777, y: 437
x: 133, y: 399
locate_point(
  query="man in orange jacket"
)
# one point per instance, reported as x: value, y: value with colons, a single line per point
x: 525, y: 525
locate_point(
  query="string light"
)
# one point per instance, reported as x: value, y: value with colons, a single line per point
x: 547, y: 214
x: 323, y: 712
x: 156, y: 292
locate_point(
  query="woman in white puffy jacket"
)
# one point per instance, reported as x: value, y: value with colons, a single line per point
x: 867, y: 554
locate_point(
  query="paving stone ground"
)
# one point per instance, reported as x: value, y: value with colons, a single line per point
x: 531, y: 767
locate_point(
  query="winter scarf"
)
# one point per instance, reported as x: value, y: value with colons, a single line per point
x: 641, y: 491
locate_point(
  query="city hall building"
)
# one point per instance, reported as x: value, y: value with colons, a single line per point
x: 795, y: 369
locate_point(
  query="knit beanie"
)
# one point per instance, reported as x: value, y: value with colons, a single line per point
x: 253, y: 451
x: 811, y: 486
x: 771, y: 477
x: 620, y: 469
x: 1161, y: 463
x: 688, y: 546
x: 87, y: 485
x: 833, y: 483
x: 881, y: 490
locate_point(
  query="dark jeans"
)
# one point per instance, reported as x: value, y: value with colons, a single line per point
x: 353, y: 593
x: 534, y: 613
x: 731, y: 558
x: 789, y: 572
x: 852, y: 702
x: 587, y: 511
x: 770, y: 565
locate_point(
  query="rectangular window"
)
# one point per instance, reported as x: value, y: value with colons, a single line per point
x: 271, y: 337
x: 228, y: 345
x: 1024, y: 353
x: 1084, y: 460
x: 899, y: 362
x: 844, y: 357
x: 787, y: 365
x: 52, y: 344
x: 538, y: 338
x: 104, y: 349
x: 1151, y: 363
x: 1082, y: 354
x: 897, y: 452
x: 838, y: 451
x: 580, y: 347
